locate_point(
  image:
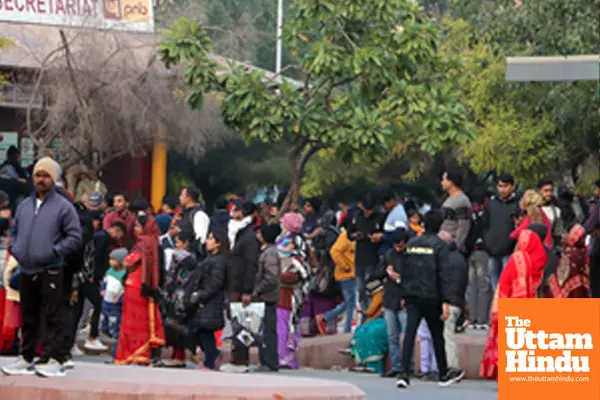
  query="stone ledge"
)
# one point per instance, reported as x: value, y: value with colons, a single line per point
x: 105, y: 382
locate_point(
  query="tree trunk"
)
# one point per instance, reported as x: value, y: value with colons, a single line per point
x: 291, y: 200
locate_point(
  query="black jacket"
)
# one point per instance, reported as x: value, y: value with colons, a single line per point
x: 458, y: 276
x: 392, y: 290
x: 499, y: 223
x: 205, y: 294
x: 424, y: 271
x: 243, y: 263
x: 367, y: 253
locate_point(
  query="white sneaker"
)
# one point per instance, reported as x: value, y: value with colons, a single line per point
x: 234, y: 369
x: 19, y: 367
x: 77, y: 352
x: 69, y: 364
x: 53, y: 369
x: 95, y: 345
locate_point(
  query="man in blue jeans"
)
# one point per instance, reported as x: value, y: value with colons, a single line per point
x: 394, y: 312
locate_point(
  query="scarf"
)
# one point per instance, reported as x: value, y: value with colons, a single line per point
x: 234, y: 227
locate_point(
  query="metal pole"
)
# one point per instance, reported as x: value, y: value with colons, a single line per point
x: 279, y: 32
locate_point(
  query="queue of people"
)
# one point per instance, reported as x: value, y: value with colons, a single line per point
x: 165, y: 280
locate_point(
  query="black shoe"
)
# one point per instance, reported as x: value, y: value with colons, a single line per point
x: 419, y: 375
x: 402, y: 382
x: 263, y: 369
x: 453, y: 376
x: 390, y: 374
x: 432, y: 377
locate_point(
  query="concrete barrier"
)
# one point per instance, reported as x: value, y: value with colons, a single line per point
x: 107, y: 382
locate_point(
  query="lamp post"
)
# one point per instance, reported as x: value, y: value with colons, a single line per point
x: 279, y: 31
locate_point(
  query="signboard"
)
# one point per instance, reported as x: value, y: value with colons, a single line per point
x: 7, y: 139
x: 27, y: 151
x: 124, y: 15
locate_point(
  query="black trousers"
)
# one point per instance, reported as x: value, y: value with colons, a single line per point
x: 268, y: 350
x: 416, y: 311
x: 42, y: 308
x: 90, y: 291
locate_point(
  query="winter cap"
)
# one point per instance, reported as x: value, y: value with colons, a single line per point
x: 292, y: 222
x: 95, y: 199
x: 119, y: 254
x: 49, y: 166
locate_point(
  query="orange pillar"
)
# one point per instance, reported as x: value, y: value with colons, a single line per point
x: 158, y: 187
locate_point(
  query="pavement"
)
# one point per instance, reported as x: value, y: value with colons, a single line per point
x: 378, y: 388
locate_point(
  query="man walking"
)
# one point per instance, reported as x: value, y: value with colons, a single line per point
x: 458, y: 276
x: 426, y: 287
x: 46, y: 230
x: 498, y: 222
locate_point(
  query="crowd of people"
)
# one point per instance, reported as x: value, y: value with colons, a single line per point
x: 167, y: 279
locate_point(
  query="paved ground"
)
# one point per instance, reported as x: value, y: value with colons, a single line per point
x: 385, y: 389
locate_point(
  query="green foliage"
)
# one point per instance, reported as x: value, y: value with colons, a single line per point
x: 4, y: 44
x: 372, y: 75
x: 554, y: 124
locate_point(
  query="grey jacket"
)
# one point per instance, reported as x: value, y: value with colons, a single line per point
x: 268, y: 276
x: 44, y: 238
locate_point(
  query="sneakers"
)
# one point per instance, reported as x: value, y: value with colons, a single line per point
x: 234, y: 369
x: 451, y: 377
x: 390, y: 374
x: 69, y: 364
x: 19, y: 367
x: 53, y: 369
x: 95, y: 345
x: 321, y: 324
x: 402, y: 382
x: 77, y: 352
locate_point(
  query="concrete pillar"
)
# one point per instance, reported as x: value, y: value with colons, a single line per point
x: 158, y: 187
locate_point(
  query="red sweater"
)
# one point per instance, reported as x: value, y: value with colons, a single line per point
x: 547, y: 242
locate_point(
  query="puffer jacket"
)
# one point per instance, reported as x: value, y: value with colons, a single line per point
x: 424, y: 272
x: 458, y: 275
x: 205, y: 294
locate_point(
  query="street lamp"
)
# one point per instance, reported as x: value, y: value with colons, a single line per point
x: 279, y: 32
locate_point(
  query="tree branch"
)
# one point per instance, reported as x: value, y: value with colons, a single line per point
x: 284, y: 69
x: 312, y: 150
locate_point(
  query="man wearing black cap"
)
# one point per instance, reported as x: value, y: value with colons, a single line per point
x: 243, y: 266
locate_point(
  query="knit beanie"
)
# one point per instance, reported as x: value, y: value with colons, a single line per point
x: 49, y: 166
x: 292, y: 222
x: 119, y: 254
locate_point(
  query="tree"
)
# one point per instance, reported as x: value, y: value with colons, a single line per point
x: 108, y: 96
x: 4, y: 44
x: 371, y: 76
x: 555, y: 122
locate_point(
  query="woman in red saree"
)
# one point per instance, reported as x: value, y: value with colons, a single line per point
x: 141, y: 325
x: 572, y: 276
x: 520, y: 279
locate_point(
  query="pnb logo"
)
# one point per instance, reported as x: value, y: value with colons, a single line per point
x: 526, y: 348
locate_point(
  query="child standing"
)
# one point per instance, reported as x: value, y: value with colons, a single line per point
x: 113, y: 290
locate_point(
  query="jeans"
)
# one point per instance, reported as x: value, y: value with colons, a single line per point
x: 481, y: 290
x: 415, y: 312
x: 349, y: 292
x: 495, y: 265
x: 395, y: 322
x: 450, y: 337
x: 206, y: 340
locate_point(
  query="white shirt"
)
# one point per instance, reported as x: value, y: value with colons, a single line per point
x: 201, y: 225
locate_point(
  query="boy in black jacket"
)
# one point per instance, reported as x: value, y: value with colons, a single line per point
x: 394, y: 312
x: 426, y: 287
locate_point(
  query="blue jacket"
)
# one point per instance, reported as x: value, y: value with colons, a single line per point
x: 44, y: 238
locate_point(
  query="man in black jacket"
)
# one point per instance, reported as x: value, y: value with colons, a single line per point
x: 458, y: 275
x: 426, y: 287
x: 498, y: 221
x: 394, y: 312
x: 243, y: 267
